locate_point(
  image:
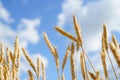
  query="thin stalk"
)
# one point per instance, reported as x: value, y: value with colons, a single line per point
x: 88, y: 59
x: 112, y: 65
x: 58, y: 74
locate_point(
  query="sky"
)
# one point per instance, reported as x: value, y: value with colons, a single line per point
x: 28, y: 19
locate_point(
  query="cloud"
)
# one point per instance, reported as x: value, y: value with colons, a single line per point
x: 28, y: 31
x: 91, y: 17
x: 5, y: 15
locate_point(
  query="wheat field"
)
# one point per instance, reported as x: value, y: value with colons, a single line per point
x: 10, y: 62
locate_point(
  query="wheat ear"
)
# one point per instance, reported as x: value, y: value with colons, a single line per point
x: 116, y: 53
x: 103, y: 58
x: 29, y: 59
x: 77, y: 30
x: 65, y: 58
x: 82, y: 63
x: 43, y: 71
x: 72, y: 62
x: 65, y: 33
x: 105, y: 40
x: 38, y: 67
x: 54, y: 53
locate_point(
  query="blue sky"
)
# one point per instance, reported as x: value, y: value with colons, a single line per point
x: 30, y: 18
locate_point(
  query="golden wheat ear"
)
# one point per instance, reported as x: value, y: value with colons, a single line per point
x: 29, y: 60
x: 116, y: 53
x: 103, y: 58
x: 54, y: 52
x: 65, y: 58
x: 77, y: 30
x: 82, y: 63
x: 72, y: 65
x: 65, y: 33
x: 43, y: 71
x: 38, y: 67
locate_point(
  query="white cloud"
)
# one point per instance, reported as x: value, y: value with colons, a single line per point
x: 27, y: 31
x: 91, y: 17
x: 5, y: 15
x: 7, y: 35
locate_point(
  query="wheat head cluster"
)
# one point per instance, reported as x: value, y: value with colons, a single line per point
x: 10, y: 61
